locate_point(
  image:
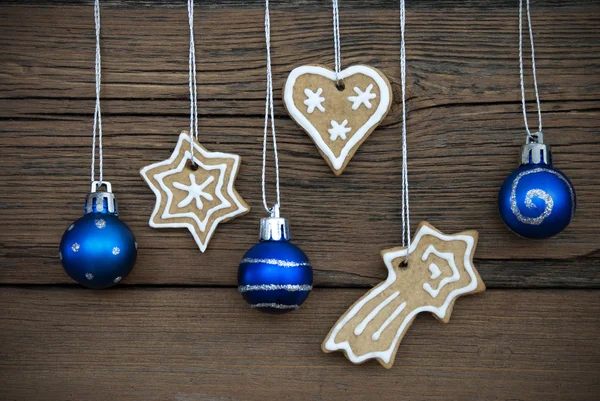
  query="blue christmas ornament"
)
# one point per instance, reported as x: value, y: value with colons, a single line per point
x: 536, y: 200
x: 275, y: 276
x: 98, y: 250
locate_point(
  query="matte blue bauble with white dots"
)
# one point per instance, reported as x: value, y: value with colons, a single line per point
x: 275, y: 276
x: 98, y: 250
x: 536, y: 200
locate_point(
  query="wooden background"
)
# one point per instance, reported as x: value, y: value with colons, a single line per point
x: 176, y: 329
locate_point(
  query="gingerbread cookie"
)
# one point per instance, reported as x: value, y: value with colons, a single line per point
x: 338, y: 120
x: 197, y: 196
x: 439, y: 270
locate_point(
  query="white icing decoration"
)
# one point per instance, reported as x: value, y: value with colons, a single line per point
x: 195, y: 192
x: 448, y: 257
x: 100, y: 223
x: 184, y: 140
x: 116, y: 251
x: 388, y: 258
x: 362, y: 97
x: 314, y: 99
x: 389, y: 320
x: 361, y: 327
x: 376, y: 117
x: 117, y: 279
x: 89, y: 276
x: 435, y: 271
x: 338, y: 130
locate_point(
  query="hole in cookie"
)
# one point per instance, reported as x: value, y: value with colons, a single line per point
x: 192, y: 165
x: 340, y: 85
x: 403, y: 264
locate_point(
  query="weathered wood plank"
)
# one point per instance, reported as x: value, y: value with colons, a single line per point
x: 197, y: 344
x: 466, y: 56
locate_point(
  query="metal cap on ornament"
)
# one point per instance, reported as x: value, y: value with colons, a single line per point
x: 274, y: 228
x: 535, y: 151
x: 101, y: 201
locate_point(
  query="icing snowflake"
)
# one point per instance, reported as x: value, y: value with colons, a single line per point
x: 195, y: 192
x: 362, y: 97
x: 338, y: 130
x: 314, y: 99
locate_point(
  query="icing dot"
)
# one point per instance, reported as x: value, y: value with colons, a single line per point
x: 70, y: 227
x: 100, y: 223
x: 117, y: 279
x: 89, y: 276
x: 75, y: 247
x: 116, y: 251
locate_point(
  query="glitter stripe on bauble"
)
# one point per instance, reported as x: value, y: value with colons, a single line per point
x: 275, y: 276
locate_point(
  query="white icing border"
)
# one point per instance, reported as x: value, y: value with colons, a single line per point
x: 184, y: 139
x: 386, y: 355
x: 376, y: 117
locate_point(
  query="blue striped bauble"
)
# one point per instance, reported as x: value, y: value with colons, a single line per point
x: 275, y: 276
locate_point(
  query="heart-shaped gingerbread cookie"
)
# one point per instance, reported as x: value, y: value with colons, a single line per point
x: 337, y: 119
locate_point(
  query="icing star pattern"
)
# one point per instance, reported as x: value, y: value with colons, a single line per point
x: 362, y: 97
x: 195, y: 192
x: 194, y: 199
x: 338, y: 130
x: 314, y: 100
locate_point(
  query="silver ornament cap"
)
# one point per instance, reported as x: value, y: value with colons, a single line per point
x: 274, y: 228
x: 101, y: 201
x: 535, y: 151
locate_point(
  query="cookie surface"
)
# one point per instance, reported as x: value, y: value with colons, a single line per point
x: 196, y: 199
x: 338, y: 121
x: 439, y: 270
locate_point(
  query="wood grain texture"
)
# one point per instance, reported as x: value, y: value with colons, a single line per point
x: 203, y: 344
x: 465, y: 130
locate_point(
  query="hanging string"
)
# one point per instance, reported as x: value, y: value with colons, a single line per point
x: 192, y: 81
x: 336, y: 40
x: 405, y: 203
x: 97, y: 130
x: 537, y: 95
x: 274, y: 210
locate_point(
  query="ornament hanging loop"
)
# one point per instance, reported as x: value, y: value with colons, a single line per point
x: 98, y: 184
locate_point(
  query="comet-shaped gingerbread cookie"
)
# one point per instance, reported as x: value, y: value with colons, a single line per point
x: 439, y: 270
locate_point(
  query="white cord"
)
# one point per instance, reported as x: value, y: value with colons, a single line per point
x: 336, y: 40
x: 97, y: 130
x: 405, y: 203
x: 192, y: 81
x: 537, y: 95
x: 269, y: 112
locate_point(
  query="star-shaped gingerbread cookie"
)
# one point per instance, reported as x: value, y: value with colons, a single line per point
x: 439, y: 270
x: 196, y: 192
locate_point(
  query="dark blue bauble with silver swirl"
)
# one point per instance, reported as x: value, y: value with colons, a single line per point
x: 275, y: 276
x: 98, y: 250
x: 536, y: 200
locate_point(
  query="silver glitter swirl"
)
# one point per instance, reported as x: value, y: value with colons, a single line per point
x: 100, y: 223
x: 89, y: 276
x: 75, y: 247
x: 275, y: 287
x: 116, y: 251
x: 538, y: 193
x: 274, y: 305
x: 276, y: 262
